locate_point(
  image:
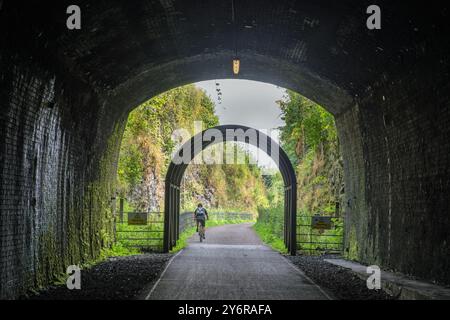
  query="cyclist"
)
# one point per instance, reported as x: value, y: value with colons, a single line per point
x: 200, y: 215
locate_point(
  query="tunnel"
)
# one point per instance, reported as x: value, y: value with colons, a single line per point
x: 228, y: 133
x: 65, y: 96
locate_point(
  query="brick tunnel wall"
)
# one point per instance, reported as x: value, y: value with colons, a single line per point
x: 396, y: 146
x: 58, y: 166
x: 59, y: 138
x: 56, y: 174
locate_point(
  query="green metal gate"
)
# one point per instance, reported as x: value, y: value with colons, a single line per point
x: 320, y: 234
x: 141, y: 230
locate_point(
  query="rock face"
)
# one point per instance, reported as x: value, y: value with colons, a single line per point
x: 64, y: 96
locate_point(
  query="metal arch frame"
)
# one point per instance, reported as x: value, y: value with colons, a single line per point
x: 176, y: 172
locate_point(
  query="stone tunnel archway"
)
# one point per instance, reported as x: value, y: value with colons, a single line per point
x: 176, y: 172
x: 65, y: 96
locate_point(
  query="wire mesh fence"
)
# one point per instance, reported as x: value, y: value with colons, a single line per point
x: 231, y: 216
x: 186, y: 221
x: 187, y: 218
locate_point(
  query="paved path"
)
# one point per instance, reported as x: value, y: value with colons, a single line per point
x: 232, y: 264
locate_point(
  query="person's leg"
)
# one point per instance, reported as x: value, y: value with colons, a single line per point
x: 204, y: 228
x: 200, y: 230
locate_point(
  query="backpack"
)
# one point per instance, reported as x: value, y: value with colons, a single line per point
x: 200, y: 213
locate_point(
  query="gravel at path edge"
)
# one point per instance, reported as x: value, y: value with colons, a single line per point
x: 341, y: 282
x: 120, y: 278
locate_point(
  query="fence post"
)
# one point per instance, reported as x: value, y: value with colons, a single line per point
x: 114, y: 214
x: 121, y: 205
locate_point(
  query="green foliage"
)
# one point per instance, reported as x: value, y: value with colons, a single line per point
x: 307, y: 125
x: 131, y: 165
x: 146, y: 152
x: 270, y: 226
x: 119, y: 250
x: 183, y: 241
x: 147, y: 148
x: 147, y: 143
x: 265, y: 232
x: 310, y: 140
x: 232, y: 187
x: 147, y: 237
x: 274, y: 185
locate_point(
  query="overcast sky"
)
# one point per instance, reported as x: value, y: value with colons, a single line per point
x: 247, y: 103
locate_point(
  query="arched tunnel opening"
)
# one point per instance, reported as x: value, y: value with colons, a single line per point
x: 143, y: 170
x: 65, y: 96
x: 234, y: 133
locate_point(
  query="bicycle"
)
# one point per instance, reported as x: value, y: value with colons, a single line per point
x: 201, y: 232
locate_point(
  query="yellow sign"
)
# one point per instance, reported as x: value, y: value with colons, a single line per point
x: 137, y: 219
x: 322, y: 223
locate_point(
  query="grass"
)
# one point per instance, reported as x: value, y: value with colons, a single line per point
x: 266, y: 234
x: 184, y: 237
x: 146, y: 236
x: 118, y: 250
x: 309, y: 241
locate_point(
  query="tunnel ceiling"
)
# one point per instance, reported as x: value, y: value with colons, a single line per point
x: 132, y: 50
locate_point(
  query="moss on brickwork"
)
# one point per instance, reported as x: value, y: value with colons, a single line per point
x: 98, y: 232
x: 90, y: 224
x: 352, y: 245
x: 49, y: 260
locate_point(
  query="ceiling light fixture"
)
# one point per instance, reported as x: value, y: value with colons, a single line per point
x: 236, y: 66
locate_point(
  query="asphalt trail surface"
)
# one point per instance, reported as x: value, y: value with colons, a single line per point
x: 232, y: 264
